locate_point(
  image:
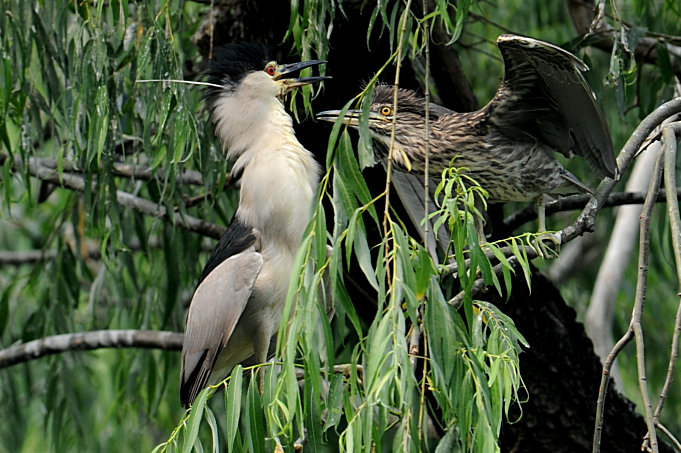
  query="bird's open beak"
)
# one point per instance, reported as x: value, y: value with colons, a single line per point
x: 287, y: 84
x: 351, y: 117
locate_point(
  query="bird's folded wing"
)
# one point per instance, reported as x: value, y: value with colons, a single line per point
x: 215, y: 309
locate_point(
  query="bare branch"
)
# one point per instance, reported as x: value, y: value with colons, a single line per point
x: 587, y: 218
x: 675, y: 225
x: 634, y: 329
x: 11, y: 258
x: 573, y: 202
x: 600, y: 314
x: 126, y: 170
x: 85, y: 341
x: 670, y: 436
x: 142, y: 205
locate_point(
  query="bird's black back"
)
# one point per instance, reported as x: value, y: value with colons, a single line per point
x: 236, y: 239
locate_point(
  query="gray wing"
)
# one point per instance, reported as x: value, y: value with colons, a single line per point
x: 214, y: 311
x: 545, y: 95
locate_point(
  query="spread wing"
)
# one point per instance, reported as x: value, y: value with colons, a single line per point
x: 218, y: 302
x: 545, y: 95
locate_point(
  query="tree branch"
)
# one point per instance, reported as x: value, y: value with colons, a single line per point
x: 126, y: 170
x: 125, y: 199
x: 85, y: 341
x: 18, y: 258
x: 572, y: 202
x: 623, y: 239
x: 634, y: 329
x: 587, y: 218
x: 669, y: 133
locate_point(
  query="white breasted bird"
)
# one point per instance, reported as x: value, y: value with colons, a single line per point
x: 237, y: 306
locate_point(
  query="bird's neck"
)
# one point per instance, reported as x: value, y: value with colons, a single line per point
x: 278, y: 180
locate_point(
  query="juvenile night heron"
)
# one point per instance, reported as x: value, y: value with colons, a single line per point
x: 237, y: 306
x: 543, y: 105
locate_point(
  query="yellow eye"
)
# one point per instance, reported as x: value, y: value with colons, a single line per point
x: 386, y: 111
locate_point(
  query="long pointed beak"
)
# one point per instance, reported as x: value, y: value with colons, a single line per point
x: 290, y: 83
x: 351, y: 117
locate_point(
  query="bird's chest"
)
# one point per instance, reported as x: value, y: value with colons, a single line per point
x: 513, y: 171
x: 276, y: 198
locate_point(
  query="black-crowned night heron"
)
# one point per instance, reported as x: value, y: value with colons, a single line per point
x: 543, y: 105
x: 237, y: 306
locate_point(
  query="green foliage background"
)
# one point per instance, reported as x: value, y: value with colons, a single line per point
x: 68, y: 93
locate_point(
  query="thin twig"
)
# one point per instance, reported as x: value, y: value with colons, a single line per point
x: 84, y: 341
x: 415, y: 337
x: 479, y: 284
x: 669, y: 134
x: 634, y: 329
x: 343, y: 368
x: 622, y: 243
x: 670, y: 436
x: 391, y: 147
x: 127, y: 170
x: 426, y: 179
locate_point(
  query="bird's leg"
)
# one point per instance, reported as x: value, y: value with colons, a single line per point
x: 542, y: 249
x: 540, y: 204
x: 260, y: 349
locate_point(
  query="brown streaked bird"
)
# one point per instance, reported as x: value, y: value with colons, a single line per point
x: 544, y: 105
x: 237, y: 306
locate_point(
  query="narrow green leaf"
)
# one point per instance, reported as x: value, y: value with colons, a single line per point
x: 352, y: 175
x: 335, y: 131
x: 233, y: 405
x: 363, y: 254
x: 255, y: 425
x: 213, y: 424
x: 194, y: 421
x: 365, y: 149
x: 334, y: 401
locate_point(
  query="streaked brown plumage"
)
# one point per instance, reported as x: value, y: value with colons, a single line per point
x: 543, y: 105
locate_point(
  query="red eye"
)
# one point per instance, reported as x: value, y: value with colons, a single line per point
x: 270, y: 69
